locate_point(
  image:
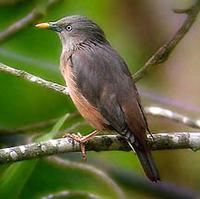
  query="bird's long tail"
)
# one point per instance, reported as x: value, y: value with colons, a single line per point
x: 146, y: 159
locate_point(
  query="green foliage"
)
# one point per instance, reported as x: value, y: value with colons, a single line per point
x: 17, y: 174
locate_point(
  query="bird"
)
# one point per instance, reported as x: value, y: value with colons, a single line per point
x: 101, y: 86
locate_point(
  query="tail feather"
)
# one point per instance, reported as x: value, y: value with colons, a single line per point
x: 147, y: 162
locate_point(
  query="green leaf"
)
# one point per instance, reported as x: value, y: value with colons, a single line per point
x: 17, y: 174
x: 55, y: 129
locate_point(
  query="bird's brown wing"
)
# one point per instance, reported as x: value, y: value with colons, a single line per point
x: 105, y: 81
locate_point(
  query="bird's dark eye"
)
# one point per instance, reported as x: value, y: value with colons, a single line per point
x: 69, y: 28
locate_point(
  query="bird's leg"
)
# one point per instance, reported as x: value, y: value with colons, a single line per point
x: 82, y: 140
x: 89, y: 136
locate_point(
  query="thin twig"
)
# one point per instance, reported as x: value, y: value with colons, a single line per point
x: 31, y: 17
x: 176, y: 117
x: 35, y: 127
x: 161, y: 141
x: 28, y: 128
x: 71, y: 194
x: 163, y: 52
x: 34, y: 79
x: 152, y: 110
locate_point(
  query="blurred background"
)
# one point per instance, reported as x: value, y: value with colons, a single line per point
x: 136, y: 29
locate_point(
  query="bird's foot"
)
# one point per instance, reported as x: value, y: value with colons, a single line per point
x: 82, y: 140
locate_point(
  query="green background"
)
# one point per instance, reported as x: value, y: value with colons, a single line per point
x: 136, y: 29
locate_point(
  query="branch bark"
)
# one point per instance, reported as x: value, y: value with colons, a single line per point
x: 176, y: 117
x: 161, y: 141
x: 162, y: 54
x: 34, y: 79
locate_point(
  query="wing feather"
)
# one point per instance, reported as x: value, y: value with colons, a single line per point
x: 104, y: 80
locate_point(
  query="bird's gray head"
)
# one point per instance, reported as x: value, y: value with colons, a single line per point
x: 74, y: 30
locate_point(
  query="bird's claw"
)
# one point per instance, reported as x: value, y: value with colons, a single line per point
x: 80, y: 139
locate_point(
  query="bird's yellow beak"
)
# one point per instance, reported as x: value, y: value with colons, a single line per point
x: 42, y: 25
x: 51, y: 26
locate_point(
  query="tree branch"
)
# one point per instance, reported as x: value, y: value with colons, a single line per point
x: 71, y: 194
x: 161, y: 141
x: 152, y: 110
x: 34, y: 79
x: 176, y: 117
x: 25, y: 21
x: 163, y: 52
